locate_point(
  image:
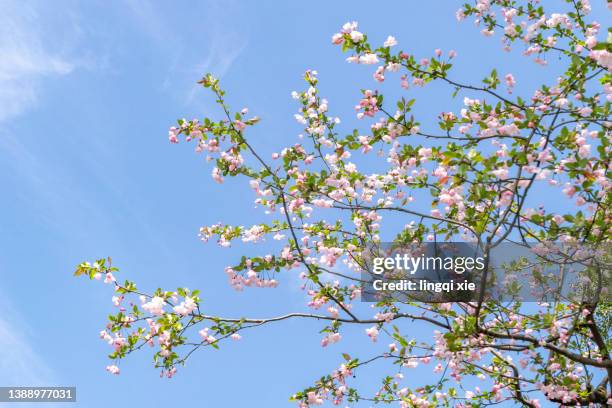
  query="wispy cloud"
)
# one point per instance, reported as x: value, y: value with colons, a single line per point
x: 26, y: 57
x: 223, y: 46
x: 20, y: 364
x: 223, y: 50
x: 213, y: 46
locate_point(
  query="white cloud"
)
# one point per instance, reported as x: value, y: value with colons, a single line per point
x: 26, y: 58
x: 212, y: 46
x: 223, y: 50
x: 20, y: 364
x: 224, y: 44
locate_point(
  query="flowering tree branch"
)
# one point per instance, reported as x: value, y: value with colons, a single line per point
x: 479, y: 169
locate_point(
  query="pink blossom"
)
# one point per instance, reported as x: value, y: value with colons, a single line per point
x: 113, y: 369
x: 240, y: 126
x: 602, y: 57
x: 155, y: 306
x: 173, y: 135
x: 314, y: 398
x: 584, y: 151
x: 569, y: 190
x: 206, y: 337
x: 379, y: 75
x: 390, y: 41
x: 216, y: 175
x: 368, y: 59
x: 349, y: 26
x: 424, y: 153
x: 591, y: 42
x: 356, y: 36
x: 372, y: 333
x: 501, y: 173
x: 331, y: 339
x: 186, y: 307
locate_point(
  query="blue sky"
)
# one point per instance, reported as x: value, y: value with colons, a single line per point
x: 87, y: 92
